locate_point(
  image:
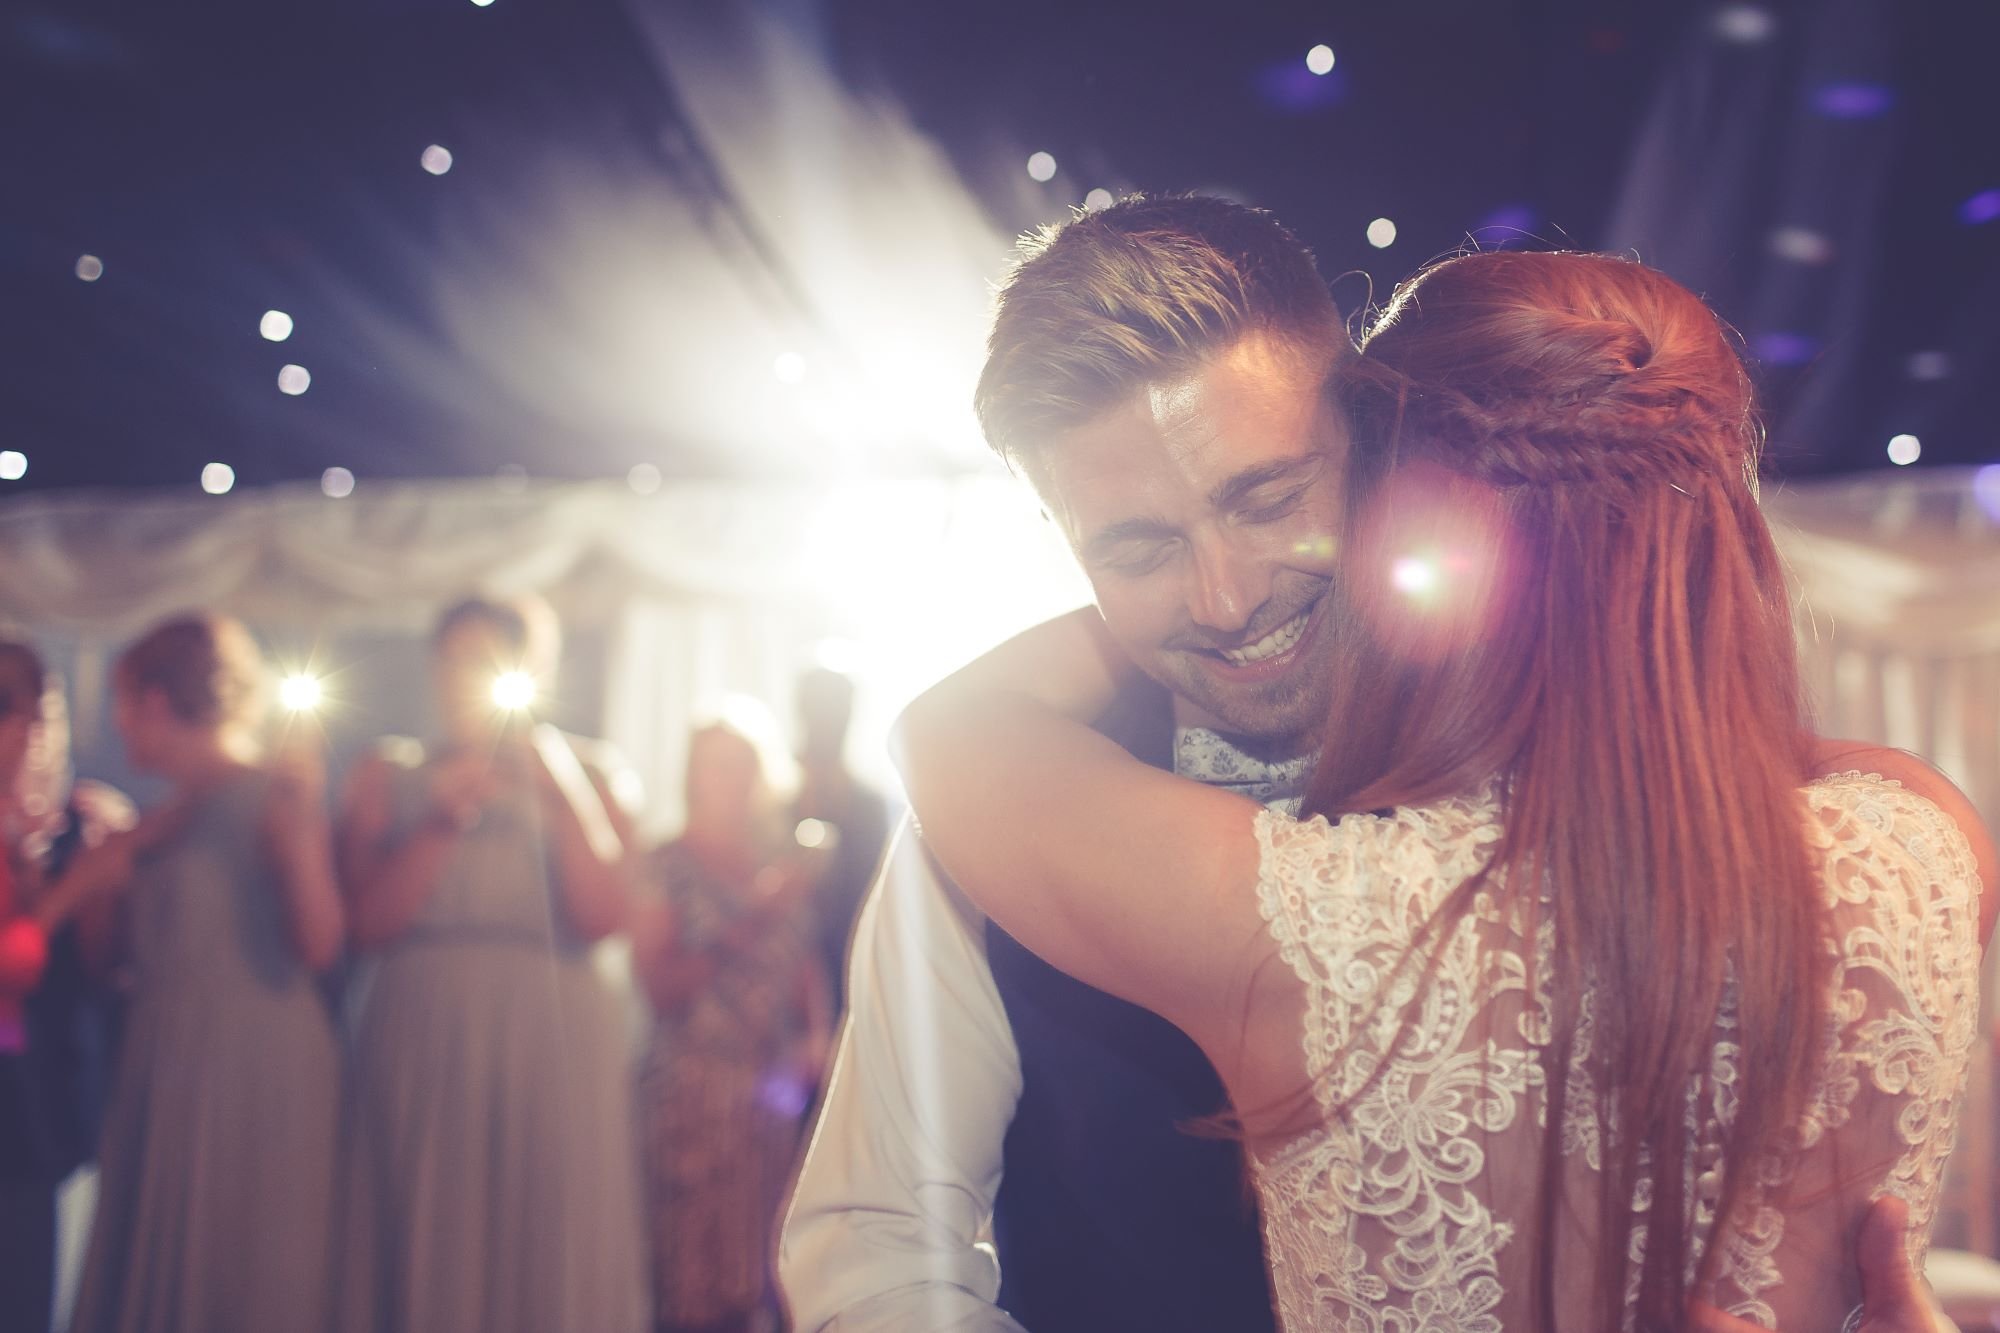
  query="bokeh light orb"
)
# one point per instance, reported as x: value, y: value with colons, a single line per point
x: 436, y: 160
x: 218, y: 478
x: 276, y: 326
x: 294, y: 380
x: 1098, y: 200
x: 644, y: 478
x: 1382, y: 233
x: 1928, y: 366
x: 1744, y: 24
x: 13, y: 465
x: 89, y: 267
x: 1041, y: 166
x: 1905, y: 450
x: 1320, y: 59
x: 336, y: 483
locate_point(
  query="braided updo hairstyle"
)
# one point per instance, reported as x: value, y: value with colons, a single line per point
x: 1556, y: 577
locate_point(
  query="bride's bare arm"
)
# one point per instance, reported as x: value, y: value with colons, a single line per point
x: 1128, y: 878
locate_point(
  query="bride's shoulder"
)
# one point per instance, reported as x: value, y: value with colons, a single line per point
x: 1852, y: 772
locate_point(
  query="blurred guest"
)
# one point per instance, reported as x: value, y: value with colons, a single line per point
x: 491, y: 1175
x: 855, y: 816
x: 55, y: 1037
x: 217, y: 1159
x: 725, y: 950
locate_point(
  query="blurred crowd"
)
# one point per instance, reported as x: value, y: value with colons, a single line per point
x: 363, y: 1057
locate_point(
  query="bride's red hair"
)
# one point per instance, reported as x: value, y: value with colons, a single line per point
x: 1558, y: 574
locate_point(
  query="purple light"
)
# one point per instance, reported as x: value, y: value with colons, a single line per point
x: 1290, y: 86
x: 1982, y: 207
x: 1986, y: 490
x: 1784, y: 349
x: 1510, y: 225
x: 1853, y: 101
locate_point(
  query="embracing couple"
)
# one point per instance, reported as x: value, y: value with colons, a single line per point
x: 1413, y: 896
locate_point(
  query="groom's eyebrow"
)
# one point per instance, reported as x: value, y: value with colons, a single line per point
x: 1128, y: 530
x: 1231, y: 491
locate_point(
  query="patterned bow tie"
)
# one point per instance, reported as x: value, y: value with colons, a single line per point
x: 1207, y: 756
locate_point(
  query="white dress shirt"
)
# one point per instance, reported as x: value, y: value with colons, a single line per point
x: 884, y: 1231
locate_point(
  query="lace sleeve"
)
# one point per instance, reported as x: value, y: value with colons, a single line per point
x: 1902, y: 886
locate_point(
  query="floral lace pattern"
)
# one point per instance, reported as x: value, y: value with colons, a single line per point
x: 1400, y: 1215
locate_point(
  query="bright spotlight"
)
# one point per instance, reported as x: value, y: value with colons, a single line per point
x: 89, y: 267
x: 1381, y: 233
x: 13, y: 465
x: 1320, y: 59
x: 300, y: 692
x: 217, y: 478
x: 1041, y: 166
x: 294, y: 380
x: 1414, y: 575
x: 1905, y: 450
x: 513, y: 690
x: 436, y: 160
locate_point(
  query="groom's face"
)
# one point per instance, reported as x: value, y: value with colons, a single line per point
x: 1204, y: 512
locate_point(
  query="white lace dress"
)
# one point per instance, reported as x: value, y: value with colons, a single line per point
x: 1415, y: 1210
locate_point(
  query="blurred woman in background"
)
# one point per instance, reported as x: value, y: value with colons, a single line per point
x: 725, y: 949
x: 490, y: 1182
x: 217, y: 1156
x: 55, y: 1016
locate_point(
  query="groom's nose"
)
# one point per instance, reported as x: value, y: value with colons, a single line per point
x: 1226, y: 585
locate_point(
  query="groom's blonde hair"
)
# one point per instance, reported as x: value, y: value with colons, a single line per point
x: 1140, y: 293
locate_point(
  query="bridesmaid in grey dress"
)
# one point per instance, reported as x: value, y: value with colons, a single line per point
x: 491, y: 1173
x: 217, y: 1162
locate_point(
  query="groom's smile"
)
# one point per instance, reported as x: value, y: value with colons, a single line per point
x: 1204, y: 510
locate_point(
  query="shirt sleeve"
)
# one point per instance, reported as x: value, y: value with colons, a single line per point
x: 898, y: 1185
